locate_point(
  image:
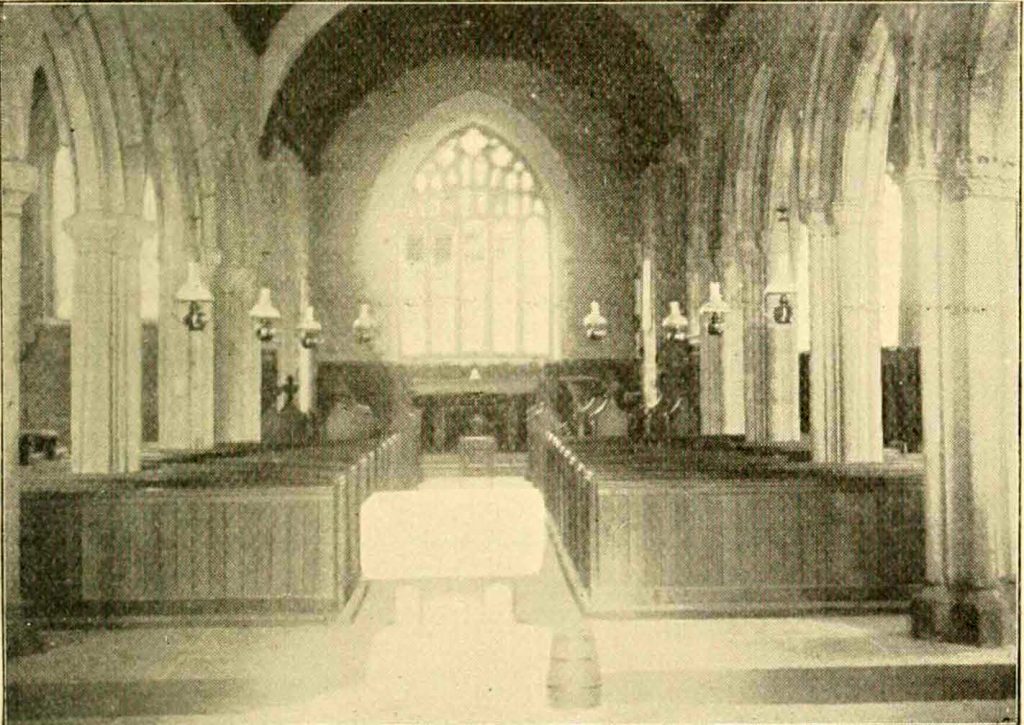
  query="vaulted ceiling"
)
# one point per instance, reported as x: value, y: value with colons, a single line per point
x: 595, y: 48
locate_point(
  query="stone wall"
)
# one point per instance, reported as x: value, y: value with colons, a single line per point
x: 567, y: 138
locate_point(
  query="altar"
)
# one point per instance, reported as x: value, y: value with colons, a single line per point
x: 500, y: 397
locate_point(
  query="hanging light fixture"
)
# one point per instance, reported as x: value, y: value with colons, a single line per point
x: 595, y: 324
x: 365, y: 326
x: 263, y: 315
x: 197, y: 297
x: 309, y: 329
x: 716, y: 309
x: 779, y: 292
x: 675, y: 325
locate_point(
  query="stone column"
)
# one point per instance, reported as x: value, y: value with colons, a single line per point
x: 783, y: 363
x: 106, y: 343
x: 237, y: 357
x: 992, y: 348
x: 910, y: 268
x: 755, y: 341
x: 931, y: 610
x: 19, y: 181
x: 186, y: 371
x: 860, y: 344
x: 969, y: 392
x: 824, y: 361
x: 721, y: 363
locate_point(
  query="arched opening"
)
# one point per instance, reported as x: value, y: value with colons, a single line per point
x: 47, y: 274
x: 474, y: 257
x: 870, y: 217
x: 784, y: 306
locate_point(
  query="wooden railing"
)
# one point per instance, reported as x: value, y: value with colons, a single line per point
x: 719, y: 529
x: 273, y: 532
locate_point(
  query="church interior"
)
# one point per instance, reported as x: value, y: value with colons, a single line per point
x: 633, y: 362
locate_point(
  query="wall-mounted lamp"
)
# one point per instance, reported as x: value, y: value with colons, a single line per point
x: 365, y: 326
x: 197, y: 298
x: 309, y: 329
x: 675, y: 325
x: 778, y: 300
x: 595, y: 325
x: 716, y: 309
x: 263, y: 315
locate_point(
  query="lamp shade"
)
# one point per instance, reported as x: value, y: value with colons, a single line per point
x: 193, y: 290
x: 595, y: 324
x: 309, y: 329
x: 264, y: 308
x: 716, y: 309
x: 675, y: 324
x: 715, y: 303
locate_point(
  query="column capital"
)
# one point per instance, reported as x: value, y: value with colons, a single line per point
x: 102, y: 232
x: 19, y: 181
x: 916, y: 174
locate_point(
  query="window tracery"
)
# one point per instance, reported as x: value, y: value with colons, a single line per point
x: 475, y: 259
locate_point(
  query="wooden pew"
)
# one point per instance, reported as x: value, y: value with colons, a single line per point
x: 717, y: 530
x: 269, y: 532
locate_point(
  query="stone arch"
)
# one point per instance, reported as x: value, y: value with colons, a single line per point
x: 844, y: 38
x: 179, y: 163
x: 994, y: 133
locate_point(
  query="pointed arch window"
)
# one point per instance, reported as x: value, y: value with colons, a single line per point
x: 475, y: 262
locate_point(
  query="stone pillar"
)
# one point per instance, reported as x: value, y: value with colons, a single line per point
x: 755, y: 341
x: 19, y: 181
x: 783, y: 363
x: 933, y: 606
x: 106, y: 343
x: 186, y: 372
x: 969, y: 337
x: 860, y: 344
x: 721, y: 363
x: 824, y: 359
x: 648, y: 300
x: 992, y: 352
x: 237, y: 357
x: 910, y: 269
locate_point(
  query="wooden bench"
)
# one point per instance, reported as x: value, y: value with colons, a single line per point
x: 272, y: 532
x: 720, y: 530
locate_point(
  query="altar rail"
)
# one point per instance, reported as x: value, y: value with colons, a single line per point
x: 723, y: 531
x: 270, y: 533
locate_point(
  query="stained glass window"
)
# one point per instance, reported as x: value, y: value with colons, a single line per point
x: 475, y: 268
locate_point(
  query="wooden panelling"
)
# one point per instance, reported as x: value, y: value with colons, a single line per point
x: 193, y: 545
x: 233, y: 535
x: 694, y: 527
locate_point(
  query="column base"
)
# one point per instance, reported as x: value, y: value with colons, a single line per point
x: 984, y: 617
x: 931, y: 613
x: 22, y: 637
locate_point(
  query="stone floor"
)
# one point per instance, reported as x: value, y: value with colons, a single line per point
x: 459, y: 665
